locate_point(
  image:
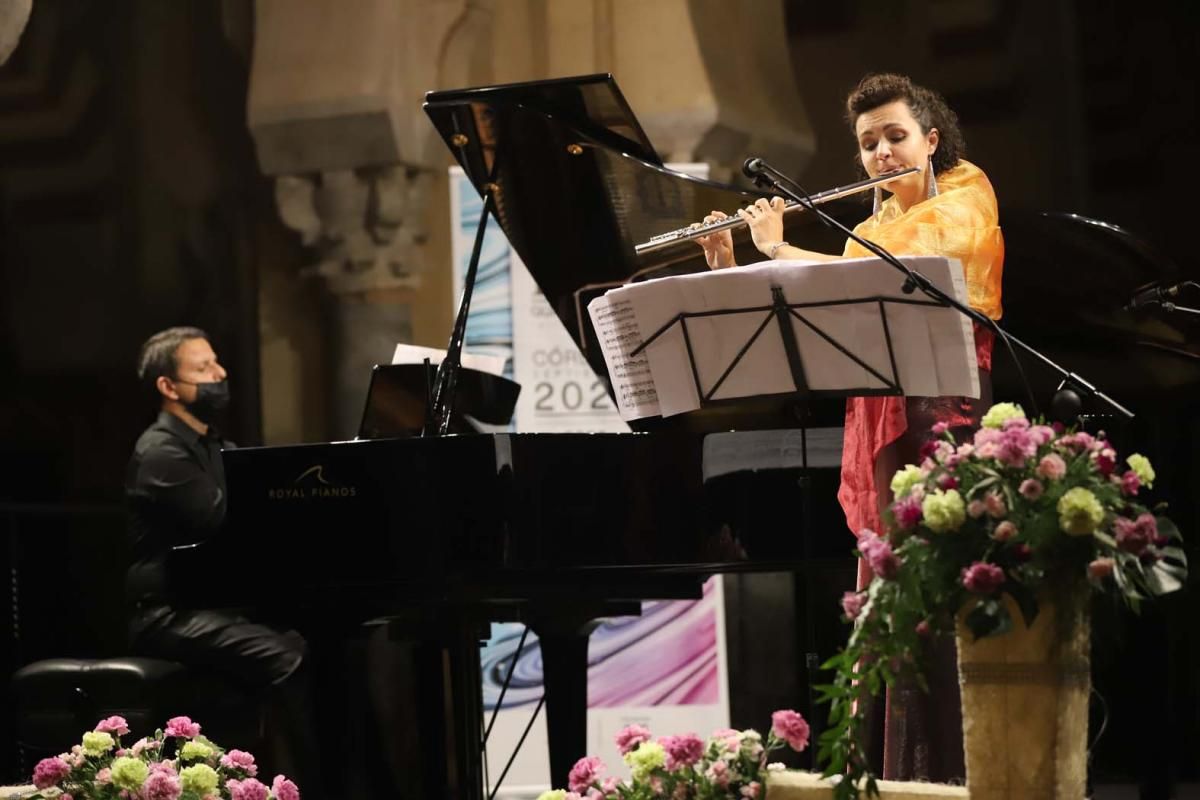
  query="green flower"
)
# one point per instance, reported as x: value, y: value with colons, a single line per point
x: 905, y: 479
x: 944, y: 511
x: 194, y: 751
x: 553, y: 794
x: 97, y: 743
x: 198, y: 778
x: 129, y: 773
x: 648, y: 757
x: 1000, y: 413
x: 1079, y: 512
x: 1141, y: 467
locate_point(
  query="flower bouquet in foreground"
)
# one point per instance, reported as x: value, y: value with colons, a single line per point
x: 176, y: 764
x: 730, y: 765
x: 1025, y: 510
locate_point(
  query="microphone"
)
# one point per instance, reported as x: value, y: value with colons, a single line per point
x: 753, y: 167
x: 1153, y: 294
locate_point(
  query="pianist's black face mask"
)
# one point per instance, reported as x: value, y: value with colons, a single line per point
x: 211, y: 400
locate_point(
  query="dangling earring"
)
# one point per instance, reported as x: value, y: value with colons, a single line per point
x: 933, y: 190
x: 878, y: 202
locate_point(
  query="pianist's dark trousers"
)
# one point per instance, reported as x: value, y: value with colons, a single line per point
x: 256, y: 658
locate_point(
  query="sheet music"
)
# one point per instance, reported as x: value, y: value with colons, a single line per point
x: 415, y: 354
x: 933, y: 347
x: 616, y: 324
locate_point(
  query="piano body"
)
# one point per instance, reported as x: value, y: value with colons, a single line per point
x: 551, y: 529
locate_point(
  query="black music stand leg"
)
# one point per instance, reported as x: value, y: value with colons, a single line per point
x: 564, y: 659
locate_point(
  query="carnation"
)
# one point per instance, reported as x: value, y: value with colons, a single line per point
x: 1031, y: 489
x: 905, y: 479
x: 944, y: 511
x: 284, y: 789
x: 161, y: 785
x: 248, y: 789
x: 129, y: 773
x: 97, y: 743
x: 49, y: 771
x: 1051, y: 467
x: 586, y: 771
x: 1000, y: 413
x: 198, y: 778
x: 116, y: 725
x: 1141, y: 467
x: 239, y: 759
x: 647, y: 757
x: 195, y: 751
x: 852, y: 604
x: 791, y: 727
x: 983, y: 578
x: 629, y: 737
x: 1079, y: 512
x: 182, y: 727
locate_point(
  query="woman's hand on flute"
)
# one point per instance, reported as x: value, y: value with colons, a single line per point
x: 718, y: 247
x: 765, y: 219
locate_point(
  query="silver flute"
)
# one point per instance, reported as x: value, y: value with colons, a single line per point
x: 685, y: 234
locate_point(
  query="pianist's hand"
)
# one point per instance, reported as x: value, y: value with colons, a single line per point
x: 718, y: 247
x: 766, y: 223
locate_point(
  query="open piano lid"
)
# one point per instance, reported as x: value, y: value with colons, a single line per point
x: 577, y: 186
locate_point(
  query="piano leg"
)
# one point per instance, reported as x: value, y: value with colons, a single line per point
x: 563, y: 638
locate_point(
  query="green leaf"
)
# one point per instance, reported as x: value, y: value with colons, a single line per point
x: 1024, y: 598
x: 989, y: 618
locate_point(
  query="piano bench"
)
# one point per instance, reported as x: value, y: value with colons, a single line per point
x: 57, y: 700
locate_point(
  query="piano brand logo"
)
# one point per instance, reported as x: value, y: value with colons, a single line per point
x: 312, y: 485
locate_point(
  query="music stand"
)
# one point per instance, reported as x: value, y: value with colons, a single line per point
x: 398, y: 399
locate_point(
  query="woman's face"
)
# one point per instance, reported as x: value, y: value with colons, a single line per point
x: 890, y: 139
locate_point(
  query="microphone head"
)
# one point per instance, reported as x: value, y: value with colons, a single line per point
x: 752, y: 167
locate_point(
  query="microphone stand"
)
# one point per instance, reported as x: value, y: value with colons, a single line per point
x: 1066, y: 397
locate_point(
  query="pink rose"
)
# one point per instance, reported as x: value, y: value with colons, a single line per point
x: 248, y: 789
x: 939, y: 428
x: 791, y: 727
x: 682, y: 751
x: 628, y: 738
x: 1101, y: 568
x: 852, y: 604
x: 585, y: 772
x: 1051, y: 467
x: 182, y: 727
x: 104, y: 776
x: 114, y: 725
x: 161, y: 785
x: 982, y: 578
x: 1130, y: 483
x: 240, y: 759
x: 283, y: 789
x: 731, y: 739
x: 1031, y: 489
x: 975, y: 509
x: 1004, y: 531
x: 49, y: 771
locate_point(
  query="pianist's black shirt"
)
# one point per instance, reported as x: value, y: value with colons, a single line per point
x: 175, y: 494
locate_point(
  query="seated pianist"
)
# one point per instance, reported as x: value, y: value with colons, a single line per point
x: 176, y: 494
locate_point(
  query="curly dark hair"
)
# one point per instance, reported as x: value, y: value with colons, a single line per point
x: 928, y: 108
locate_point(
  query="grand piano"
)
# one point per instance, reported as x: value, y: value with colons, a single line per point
x: 551, y: 529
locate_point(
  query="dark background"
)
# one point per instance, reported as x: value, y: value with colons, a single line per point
x: 130, y: 201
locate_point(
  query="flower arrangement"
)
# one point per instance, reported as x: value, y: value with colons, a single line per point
x: 176, y: 764
x: 729, y: 766
x: 1024, y: 510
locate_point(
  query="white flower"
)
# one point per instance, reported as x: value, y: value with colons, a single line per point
x: 776, y: 766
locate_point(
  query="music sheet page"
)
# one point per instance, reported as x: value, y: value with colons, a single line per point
x: 840, y: 325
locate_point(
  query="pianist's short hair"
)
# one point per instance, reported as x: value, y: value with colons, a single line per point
x: 928, y: 108
x: 157, y: 356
